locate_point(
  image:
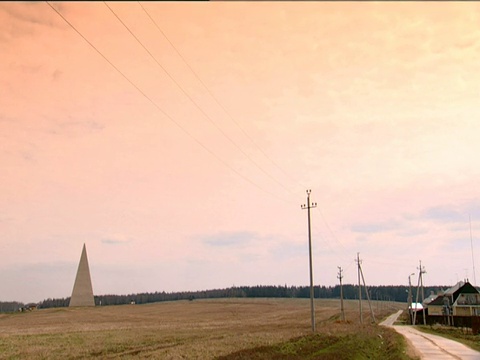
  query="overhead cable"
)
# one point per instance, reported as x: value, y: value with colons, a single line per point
x: 211, y: 152
x: 195, y: 103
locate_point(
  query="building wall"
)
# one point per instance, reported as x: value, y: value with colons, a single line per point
x: 462, y: 311
x: 434, y: 310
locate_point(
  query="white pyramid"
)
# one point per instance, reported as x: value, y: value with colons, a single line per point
x: 82, y: 294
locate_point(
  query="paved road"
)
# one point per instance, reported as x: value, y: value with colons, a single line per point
x: 432, y: 346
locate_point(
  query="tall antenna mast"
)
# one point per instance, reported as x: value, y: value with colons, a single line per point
x: 471, y: 245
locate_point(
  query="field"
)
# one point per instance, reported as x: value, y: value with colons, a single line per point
x: 200, y: 329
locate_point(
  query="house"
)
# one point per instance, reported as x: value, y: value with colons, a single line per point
x: 455, y: 306
x: 29, y: 307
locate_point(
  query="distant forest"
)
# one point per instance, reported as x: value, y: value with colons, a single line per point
x: 381, y: 293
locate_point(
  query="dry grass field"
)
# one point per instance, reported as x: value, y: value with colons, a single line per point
x: 200, y: 329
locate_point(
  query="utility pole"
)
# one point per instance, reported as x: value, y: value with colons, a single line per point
x: 422, y: 271
x: 420, y: 286
x: 360, y: 274
x: 368, y: 296
x: 410, y: 298
x: 359, y: 288
x: 340, y: 277
x: 308, y: 207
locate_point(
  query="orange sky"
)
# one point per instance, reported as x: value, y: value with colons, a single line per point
x: 374, y: 106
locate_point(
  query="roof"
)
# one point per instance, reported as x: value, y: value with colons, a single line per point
x: 454, y: 292
x: 438, y: 301
x: 430, y: 298
x: 416, y: 306
x: 451, y: 291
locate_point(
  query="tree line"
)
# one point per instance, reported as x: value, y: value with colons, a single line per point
x: 10, y: 306
x: 397, y: 293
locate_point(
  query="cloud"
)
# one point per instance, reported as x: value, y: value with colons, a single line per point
x: 287, y: 250
x: 27, y: 156
x: 74, y: 127
x: 88, y: 125
x: 25, y: 68
x: 226, y: 239
x: 461, y: 245
x: 15, y: 147
x: 361, y: 239
x: 4, y: 219
x: 30, y: 15
x: 412, y: 232
x: 411, y: 225
x: 112, y: 241
x: 453, y: 213
x: 37, y: 281
x: 378, y: 227
x: 57, y: 74
x: 443, y: 214
x: 116, y: 240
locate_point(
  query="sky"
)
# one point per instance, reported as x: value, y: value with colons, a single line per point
x: 177, y: 141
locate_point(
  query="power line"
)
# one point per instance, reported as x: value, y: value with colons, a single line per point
x: 194, y: 102
x: 340, y: 255
x: 330, y: 230
x: 160, y: 109
x: 170, y: 117
x: 228, y: 113
x: 214, y: 97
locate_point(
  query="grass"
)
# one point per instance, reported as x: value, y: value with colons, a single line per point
x: 201, y: 329
x: 371, y: 343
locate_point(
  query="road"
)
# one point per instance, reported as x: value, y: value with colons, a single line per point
x: 432, y: 346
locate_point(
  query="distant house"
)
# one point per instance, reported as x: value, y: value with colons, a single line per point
x: 29, y: 307
x: 455, y: 306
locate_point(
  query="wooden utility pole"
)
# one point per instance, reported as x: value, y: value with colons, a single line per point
x: 360, y: 274
x: 422, y: 271
x: 312, y: 306
x: 420, y: 282
x: 359, y: 288
x: 340, y: 277
x: 368, y: 296
x: 410, y: 298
